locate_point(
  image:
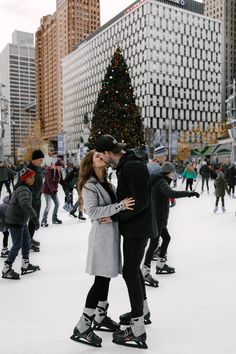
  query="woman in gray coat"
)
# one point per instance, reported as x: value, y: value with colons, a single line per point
x: 103, y: 258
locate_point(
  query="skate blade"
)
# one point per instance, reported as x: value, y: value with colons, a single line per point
x: 164, y: 272
x: 155, y: 285
x: 104, y: 329
x: 82, y: 340
x: 23, y: 271
x: 6, y: 277
x: 139, y: 345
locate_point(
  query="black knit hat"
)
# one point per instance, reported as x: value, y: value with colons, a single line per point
x: 37, y: 154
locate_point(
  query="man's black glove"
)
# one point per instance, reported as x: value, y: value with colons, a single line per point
x: 36, y: 223
x: 194, y: 194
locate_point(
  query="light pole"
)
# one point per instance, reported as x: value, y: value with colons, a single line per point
x: 3, y: 118
x: 13, y: 124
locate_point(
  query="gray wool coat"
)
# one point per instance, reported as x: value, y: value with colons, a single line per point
x: 104, y: 254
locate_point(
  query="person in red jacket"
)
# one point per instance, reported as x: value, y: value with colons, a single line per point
x: 50, y: 187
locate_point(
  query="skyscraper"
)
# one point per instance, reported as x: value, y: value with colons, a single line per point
x: 58, y: 35
x: 17, y: 74
x: 225, y: 10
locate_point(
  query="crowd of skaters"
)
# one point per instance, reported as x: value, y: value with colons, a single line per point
x: 138, y: 210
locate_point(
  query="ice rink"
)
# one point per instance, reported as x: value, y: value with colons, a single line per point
x: 193, y: 311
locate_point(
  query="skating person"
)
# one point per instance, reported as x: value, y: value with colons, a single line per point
x: 220, y: 189
x: 205, y: 172
x: 161, y: 193
x: 103, y: 258
x: 231, y: 179
x: 50, y: 187
x: 3, y: 227
x: 5, y: 172
x: 189, y: 174
x: 35, y: 165
x: 19, y: 212
x: 71, y: 180
x: 136, y: 226
x: 159, y: 157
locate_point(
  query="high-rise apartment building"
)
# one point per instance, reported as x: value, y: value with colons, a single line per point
x: 225, y: 10
x: 58, y: 35
x: 17, y: 74
x: 174, y: 57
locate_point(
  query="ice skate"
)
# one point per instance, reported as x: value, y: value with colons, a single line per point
x: 133, y: 336
x: 9, y: 273
x: 215, y: 209
x: 165, y: 270
x: 102, y: 322
x: 125, y: 319
x: 35, y: 246
x: 57, y: 221
x: 44, y: 223
x: 81, y: 216
x: 4, y: 252
x: 86, y: 335
x: 148, y: 279
x: 73, y: 211
x: 35, y: 242
x: 223, y: 209
x: 162, y: 267
x: 27, y: 267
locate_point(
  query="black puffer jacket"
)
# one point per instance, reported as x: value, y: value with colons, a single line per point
x: 161, y: 194
x: 134, y: 181
x: 20, y: 209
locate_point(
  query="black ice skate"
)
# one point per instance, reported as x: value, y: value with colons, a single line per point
x: 44, y: 223
x: 127, y: 338
x: 27, y: 267
x: 35, y: 242
x: 150, y: 281
x: 125, y: 319
x: 81, y: 216
x: 34, y: 248
x: 87, y: 337
x: 57, y: 221
x: 106, y: 325
x: 165, y: 270
x: 9, y: 273
x: 4, y: 252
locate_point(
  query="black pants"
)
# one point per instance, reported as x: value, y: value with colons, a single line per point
x: 189, y: 183
x: 5, y: 238
x: 7, y: 184
x: 98, y: 292
x: 31, y: 226
x: 231, y: 188
x: 164, y: 234
x: 222, y: 201
x: 133, y: 252
x: 205, y: 178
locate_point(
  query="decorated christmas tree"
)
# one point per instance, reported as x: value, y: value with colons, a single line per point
x: 116, y: 112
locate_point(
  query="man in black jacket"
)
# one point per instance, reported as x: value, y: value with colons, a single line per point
x: 136, y: 226
x: 161, y: 194
x: 35, y: 165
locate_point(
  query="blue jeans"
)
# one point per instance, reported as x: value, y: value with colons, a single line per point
x: 49, y: 198
x: 20, y: 240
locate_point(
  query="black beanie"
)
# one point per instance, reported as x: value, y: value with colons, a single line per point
x: 37, y: 154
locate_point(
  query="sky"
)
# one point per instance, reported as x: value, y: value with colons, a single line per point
x: 24, y: 15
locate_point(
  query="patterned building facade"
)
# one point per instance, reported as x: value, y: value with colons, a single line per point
x: 174, y: 60
x: 58, y: 35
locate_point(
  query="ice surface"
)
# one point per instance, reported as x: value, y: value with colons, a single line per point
x: 192, y: 312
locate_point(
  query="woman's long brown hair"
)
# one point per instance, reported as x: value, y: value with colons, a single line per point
x: 86, y: 172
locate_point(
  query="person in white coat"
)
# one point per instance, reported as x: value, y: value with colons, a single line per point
x: 98, y: 197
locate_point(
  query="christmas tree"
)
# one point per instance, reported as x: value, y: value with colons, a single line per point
x: 115, y: 112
